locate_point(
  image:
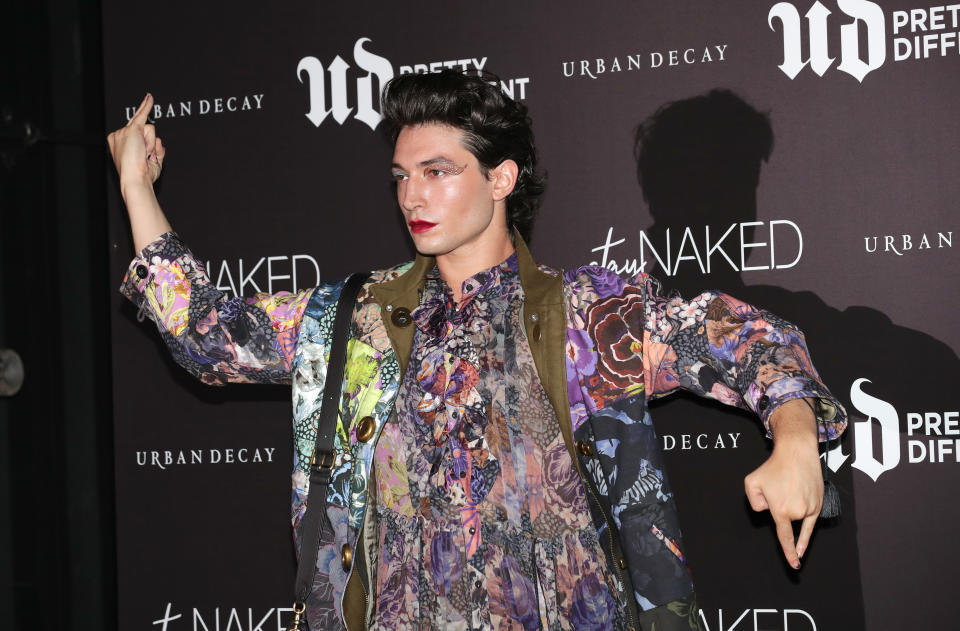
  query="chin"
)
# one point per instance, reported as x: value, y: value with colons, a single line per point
x: 430, y: 250
x: 430, y: 246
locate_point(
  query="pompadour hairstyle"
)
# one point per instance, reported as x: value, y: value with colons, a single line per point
x: 495, y: 128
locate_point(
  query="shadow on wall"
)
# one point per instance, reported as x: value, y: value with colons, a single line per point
x: 698, y: 163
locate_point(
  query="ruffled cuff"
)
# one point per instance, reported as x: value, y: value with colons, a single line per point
x: 830, y: 413
x: 142, y: 269
x: 161, y: 280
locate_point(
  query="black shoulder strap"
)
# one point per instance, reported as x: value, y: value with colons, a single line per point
x: 316, y: 521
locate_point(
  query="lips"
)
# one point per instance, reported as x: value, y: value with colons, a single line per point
x: 418, y: 227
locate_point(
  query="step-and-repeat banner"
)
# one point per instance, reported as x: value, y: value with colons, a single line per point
x: 802, y: 156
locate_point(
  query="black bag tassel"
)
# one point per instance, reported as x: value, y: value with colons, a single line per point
x: 831, y: 497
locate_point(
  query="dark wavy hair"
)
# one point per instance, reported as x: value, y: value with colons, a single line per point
x: 495, y: 128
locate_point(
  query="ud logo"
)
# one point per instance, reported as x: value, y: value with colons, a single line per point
x: 366, y: 94
x: 863, y: 436
x: 818, y: 57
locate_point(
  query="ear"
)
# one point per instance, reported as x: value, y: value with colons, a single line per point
x: 504, y: 178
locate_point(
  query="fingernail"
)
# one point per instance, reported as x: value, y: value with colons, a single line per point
x: 796, y: 564
x: 800, y: 550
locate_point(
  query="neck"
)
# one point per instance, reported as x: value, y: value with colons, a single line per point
x: 460, y: 264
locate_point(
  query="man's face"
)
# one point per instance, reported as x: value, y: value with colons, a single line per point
x: 445, y: 198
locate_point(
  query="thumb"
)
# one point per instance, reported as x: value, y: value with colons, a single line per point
x: 755, y: 494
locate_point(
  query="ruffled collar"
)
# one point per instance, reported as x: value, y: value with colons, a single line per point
x: 438, y: 314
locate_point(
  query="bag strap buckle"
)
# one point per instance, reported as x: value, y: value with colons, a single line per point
x: 326, y: 461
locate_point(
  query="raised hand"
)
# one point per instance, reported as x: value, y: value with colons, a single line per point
x: 138, y: 155
x: 137, y: 152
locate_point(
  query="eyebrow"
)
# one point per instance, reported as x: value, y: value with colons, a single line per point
x: 429, y: 162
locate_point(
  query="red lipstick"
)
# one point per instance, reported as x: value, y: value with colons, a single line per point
x: 418, y: 227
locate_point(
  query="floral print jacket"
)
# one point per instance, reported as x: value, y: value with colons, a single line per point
x: 602, y: 347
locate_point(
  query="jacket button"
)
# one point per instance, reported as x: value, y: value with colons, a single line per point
x: 346, y: 557
x: 535, y: 333
x: 142, y: 272
x: 584, y: 448
x: 365, y: 429
x: 401, y: 317
x: 622, y: 563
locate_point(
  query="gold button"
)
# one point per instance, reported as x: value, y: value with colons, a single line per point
x: 584, y: 448
x: 623, y: 563
x: 346, y: 557
x: 365, y: 429
x: 401, y: 317
x: 535, y: 334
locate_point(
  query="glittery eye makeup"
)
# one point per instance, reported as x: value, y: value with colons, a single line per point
x: 442, y: 166
x: 433, y: 168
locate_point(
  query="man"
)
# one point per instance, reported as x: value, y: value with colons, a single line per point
x: 496, y: 466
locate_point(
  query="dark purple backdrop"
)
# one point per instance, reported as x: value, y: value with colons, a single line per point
x: 860, y: 170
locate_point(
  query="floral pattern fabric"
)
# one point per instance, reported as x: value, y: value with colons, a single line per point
x: 626, y: 342
x: 626, y: 337
x: 483, y: 522
x: 217, y: 340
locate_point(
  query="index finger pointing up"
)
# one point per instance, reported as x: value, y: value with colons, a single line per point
x: 139, y: 117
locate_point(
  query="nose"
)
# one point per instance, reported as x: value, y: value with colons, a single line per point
x: 410, y: 194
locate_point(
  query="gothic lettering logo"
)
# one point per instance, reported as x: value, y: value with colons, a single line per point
x: 860, y: 11
x: 917, y: 34
x: 932, y: 436
x: 338, y: 90
x: 330, y: 88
